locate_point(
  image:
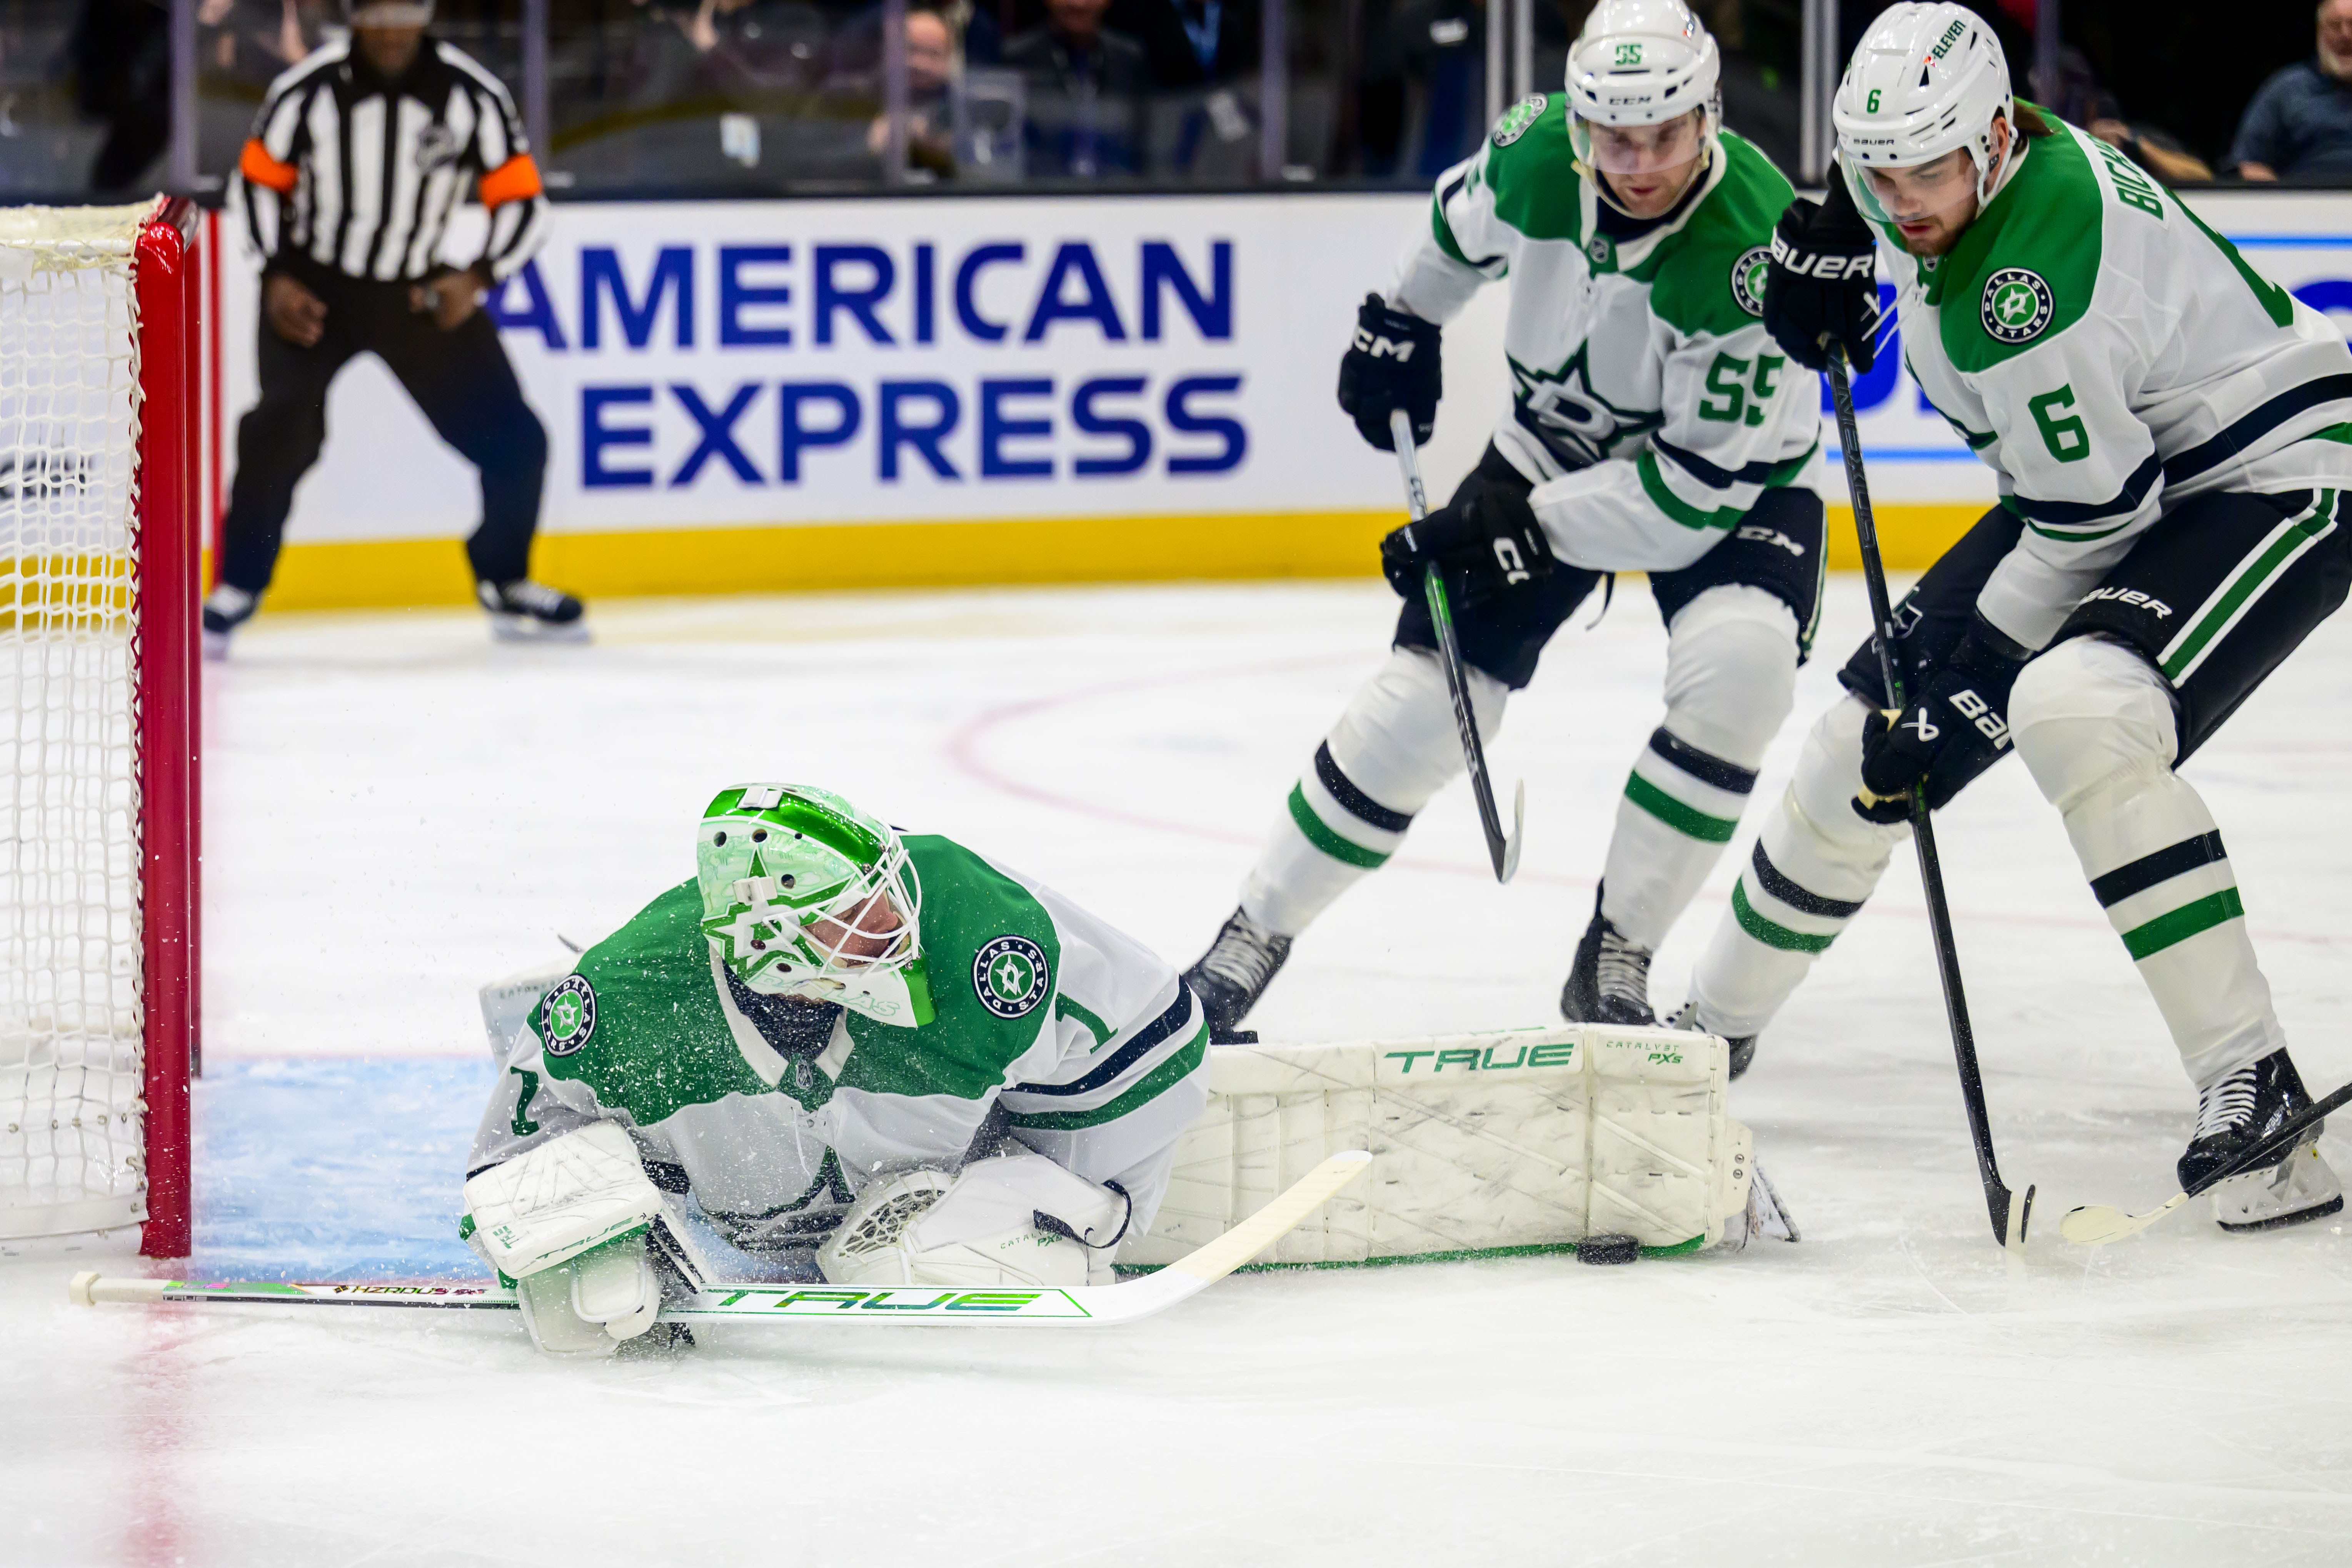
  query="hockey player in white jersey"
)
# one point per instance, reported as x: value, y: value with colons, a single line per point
x: 883, y: 1047
x: 2172, y: 433
x: 1655, y: 427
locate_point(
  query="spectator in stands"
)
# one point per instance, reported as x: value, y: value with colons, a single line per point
x: 1425, y: 94
x: 1192, y: 42
x: 2299, y: 126
x: 2079, y: 96
x: 930, y: 71
x: 1086, y: 89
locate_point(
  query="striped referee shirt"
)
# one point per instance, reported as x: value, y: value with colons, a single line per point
x: 359, y: 176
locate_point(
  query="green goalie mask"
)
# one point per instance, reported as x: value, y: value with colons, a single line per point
x: 804, y: 895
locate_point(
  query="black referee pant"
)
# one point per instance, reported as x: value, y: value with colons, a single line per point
x: 461, y: 380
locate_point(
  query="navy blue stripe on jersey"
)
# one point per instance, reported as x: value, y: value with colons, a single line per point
x: 2087, y: 514
x: 2172, y: 860
x: 1155, y: 1032
x: 1359, y: 805
x: 2249, y: 428
x: 1703, y: 766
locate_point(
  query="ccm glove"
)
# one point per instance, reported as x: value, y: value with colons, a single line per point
x: 1954, y: 730
x: 1392, y: 363
x: 1484, y: 544
x: 1823, y: 282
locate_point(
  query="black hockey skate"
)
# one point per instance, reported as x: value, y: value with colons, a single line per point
x: 1233, y: 973
x: 1610, y: 982
x: 226, y: 609
x: 525, y: 611
x: 1743, y: 1046
x: 2238, y: 1112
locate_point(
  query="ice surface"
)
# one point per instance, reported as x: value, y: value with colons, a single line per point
x: 399, y: 811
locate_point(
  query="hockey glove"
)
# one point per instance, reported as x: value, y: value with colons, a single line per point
x: 1821, y: 287
x: 1392, y: 363
x: 1955, y: 729
x: 1484, y: 544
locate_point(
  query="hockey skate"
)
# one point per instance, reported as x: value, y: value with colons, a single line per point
x: 1743, y: 1046
x: 226, y: 609
x: 525, y: 611
x: 1610, y: 982
x: 1233, y: 973
x: 2241, y: 1110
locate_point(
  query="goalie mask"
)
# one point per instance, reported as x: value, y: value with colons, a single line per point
x: 803, y: 895
x: 1643, y: 103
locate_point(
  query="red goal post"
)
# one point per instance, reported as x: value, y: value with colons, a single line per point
x: 100, y: 415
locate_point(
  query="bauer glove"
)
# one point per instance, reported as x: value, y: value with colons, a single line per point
x: 1957, y: 726
x: 1821, y: 289
x: 1392, y: 363
x: 1484, y: 544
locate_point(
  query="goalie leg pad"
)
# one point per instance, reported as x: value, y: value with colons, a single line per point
x: 2095, y: 724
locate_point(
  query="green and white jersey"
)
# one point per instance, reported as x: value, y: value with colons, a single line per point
x: 1650, y: 408
x: 2111, y: 356
x: 775, y: 1114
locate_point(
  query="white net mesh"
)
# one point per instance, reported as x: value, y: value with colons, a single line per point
x: 71, y: 1156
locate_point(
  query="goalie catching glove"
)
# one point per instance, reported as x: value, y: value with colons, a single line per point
x: 1023, y: 1221
x: 1484, y: 544
x: 566, y: 1222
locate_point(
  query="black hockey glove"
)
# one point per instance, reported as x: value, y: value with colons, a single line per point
x: 1392, y: 363
x: 1823, y: 282
x: 1957, y: 726
x: 1485, y: 544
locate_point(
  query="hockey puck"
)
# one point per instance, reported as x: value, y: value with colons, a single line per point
x: 1607, y: 1248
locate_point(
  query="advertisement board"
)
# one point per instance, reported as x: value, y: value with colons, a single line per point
x: 853, y: 393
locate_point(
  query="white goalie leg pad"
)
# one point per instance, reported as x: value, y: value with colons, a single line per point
x: 586, y: 1305
x: 2095, y: 724
x: 556, y: 1201
x: 1731, y: 678
x: 1825, y: 859
x: 978, y: 1229
x: 1481, y: 1143
x: 1395, y: 741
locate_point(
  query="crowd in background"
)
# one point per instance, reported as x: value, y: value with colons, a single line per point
x: 719, y: 95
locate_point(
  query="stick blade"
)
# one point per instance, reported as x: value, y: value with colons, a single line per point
x: 1508, y: 866
x: 1262, y: 1229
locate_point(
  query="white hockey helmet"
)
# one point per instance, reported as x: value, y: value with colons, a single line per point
x: 1638, y: 64
x: 1927, y: 79
x: 388, y: 12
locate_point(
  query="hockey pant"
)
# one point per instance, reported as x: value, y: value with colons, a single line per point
x: 2184, y: 629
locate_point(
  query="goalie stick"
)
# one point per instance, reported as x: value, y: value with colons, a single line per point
x: 1077, y: 1307
x: 2009, y: 1213
x: 2095, y: 1224
x: 1502, y: 849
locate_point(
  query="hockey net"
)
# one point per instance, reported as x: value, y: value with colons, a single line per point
x: 98, y: 721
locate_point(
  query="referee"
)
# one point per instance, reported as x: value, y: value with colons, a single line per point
x: 360, y: 155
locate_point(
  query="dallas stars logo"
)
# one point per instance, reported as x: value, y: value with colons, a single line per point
x: 568, y: 1016
x: 1576, y: 425
x: 753, y: 935
x: 2016, y: 305
x: 1010, y: 975
x: 1747, y: 279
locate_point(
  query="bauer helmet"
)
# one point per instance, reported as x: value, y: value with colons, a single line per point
x: 804, y: 895
x: 1927, y: 79
x: 1639, y: 64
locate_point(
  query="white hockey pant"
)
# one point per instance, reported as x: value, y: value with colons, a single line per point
x: 2095, y: 724
x: 1730, y: 678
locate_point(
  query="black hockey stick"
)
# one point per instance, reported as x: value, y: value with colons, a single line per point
x: 2009, y: 1213
x: 2095, y: 1224
x: 1503, y: 850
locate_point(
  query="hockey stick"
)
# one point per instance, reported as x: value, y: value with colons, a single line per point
x: 2009, y: 1213
x: 1078, y: 1307
x: 1503, y: 850
x: 2095, y: 1224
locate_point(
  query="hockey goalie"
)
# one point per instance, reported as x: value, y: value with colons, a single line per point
x: 884, y: 1059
